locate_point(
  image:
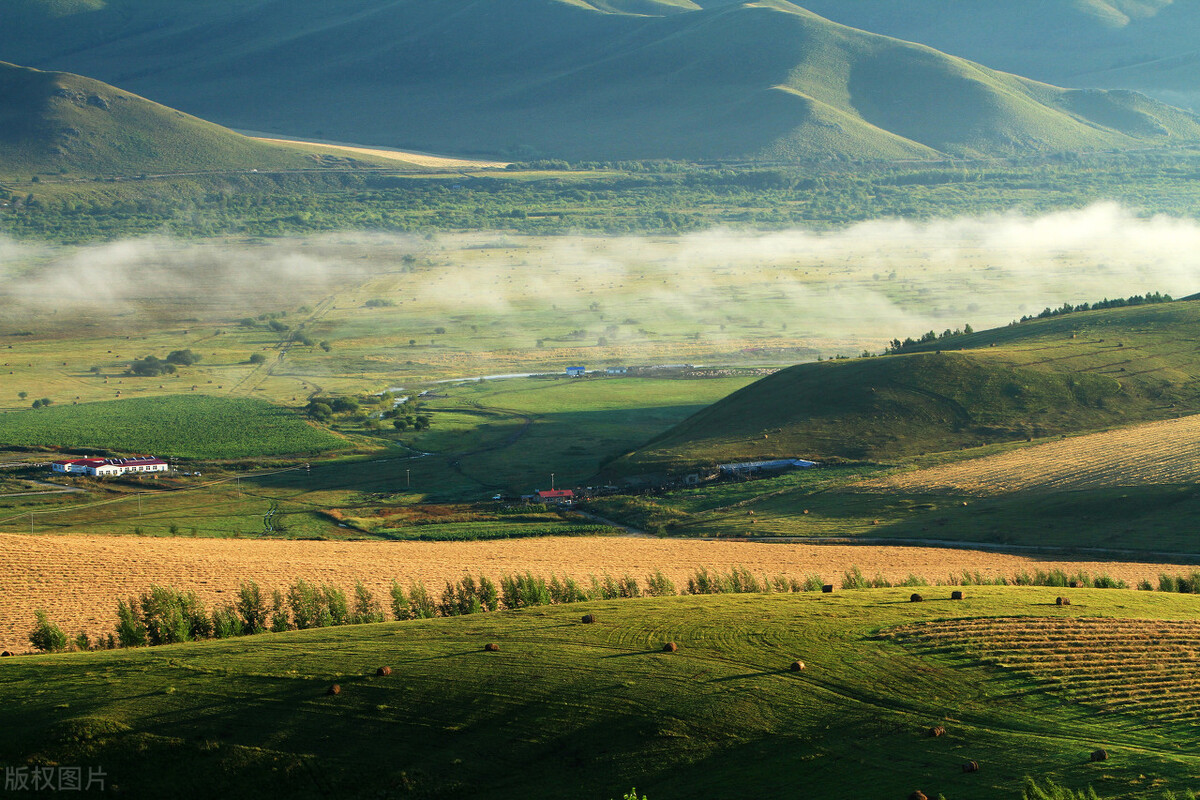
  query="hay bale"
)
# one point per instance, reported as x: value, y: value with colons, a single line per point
x: 971, y: 766
x: 936, y: 731
x: 797, y: 666
x: 1100, y: 755
x: 670, y: 647
x: 827, y: 588
x: 5, y: 654
x: 918, y: 795
x: 588, y: 619
x: 491, y: 647
x: 384, y: 671
x: 915, y: 598
x: 1062, y: 601
x: 1073, y: 584
x: 335, y: 689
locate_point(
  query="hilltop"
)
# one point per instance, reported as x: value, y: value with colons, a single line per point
x: 620, y: 79
x: 1147, y: 45
x: 58, y: 122
x: 564, y: 709
x: 1044, y: 377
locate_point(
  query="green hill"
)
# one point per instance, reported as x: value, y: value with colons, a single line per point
x: 565, y: 710
x: 54, y: 121
x: 580, y: 79
x: 1147, y: 45
x: 1077, y: 372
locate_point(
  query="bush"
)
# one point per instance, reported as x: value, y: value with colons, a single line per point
x: 307, y: 604
x: 853, y: 579
x: 659, y: 585
x: 46, y: 636
x: 366, y: 607
x: 184, y: 358
x: 257, y: 358
x: 1052, y: 791
x: 279, y: 614
x: 252, y: 608
x: 420, y: 601
x: 227, y: 622
x: 170, y: 616
x: 131, y: 631
x: 401, y: 608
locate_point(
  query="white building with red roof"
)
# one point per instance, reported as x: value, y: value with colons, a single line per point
x: 110, y: 467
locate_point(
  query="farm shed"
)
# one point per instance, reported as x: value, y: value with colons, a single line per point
x: 103, y: 467
x: 576, y: 372
x: 776, y: 465
x: 556, y: 496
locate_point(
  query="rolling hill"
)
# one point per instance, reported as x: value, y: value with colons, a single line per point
x: 1147, y: 45
x: 597, y: 79
x: 58, y: 122
x: 564, y: 709
x: 1077, y: 372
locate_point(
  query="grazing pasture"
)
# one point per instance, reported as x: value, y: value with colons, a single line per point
x: 190, y: 427
x: 447, y: 707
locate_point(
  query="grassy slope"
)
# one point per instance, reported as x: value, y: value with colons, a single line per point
x: 648, y: 84
x: 1109, y: 43
x: 51, y: 121
x: 179, y: 427
x: 568, y: 710
x: 1082, y: 371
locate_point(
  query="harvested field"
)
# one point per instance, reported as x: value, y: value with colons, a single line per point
x: 78, y: 579
x: 1154, y: 453
x: 1141, y: 667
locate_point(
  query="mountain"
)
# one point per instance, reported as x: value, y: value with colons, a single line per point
x: 54, y: 121
x: 1083, y: 371
x: 580, y: 79
x: 1147, y: 45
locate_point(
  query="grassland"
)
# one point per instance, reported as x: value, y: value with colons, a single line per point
x: 180, y: 426
x: 77, y: 579
x: 589, y: 710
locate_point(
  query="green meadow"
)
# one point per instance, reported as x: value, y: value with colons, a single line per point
x: 590, y: 710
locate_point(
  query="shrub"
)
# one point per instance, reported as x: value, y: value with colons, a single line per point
x: 853, y: 579
x: 131, y: 631
x: 82, y: 642
x: 1166, y: 583
x: 335, y: 611
x: 307, y: 603
x: 46, y: 636
x: 489, y: 595
x: 1052, y: 791
x: 227, y: 622
x: 814, y: 583
x: 659, y: 585
x: 366, y: 607
x: 172, y: 616
x: 252, y: 608
x: 279, y: 614
x: 420, y: 601
x: 257, y: 358
x: 628, y: 587
x: 401, y: 608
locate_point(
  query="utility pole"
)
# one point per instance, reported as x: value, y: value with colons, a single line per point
x: 407, y: 478
x: 552, y: 481
x: 239, y: 486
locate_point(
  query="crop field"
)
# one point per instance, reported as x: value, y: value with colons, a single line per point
x: 78, y: 579
x: 181, y: 427
x: 1162, y: 452
x: 588, y: 710
x: 1145, y: 668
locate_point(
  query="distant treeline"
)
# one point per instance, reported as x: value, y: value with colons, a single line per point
x: 165, y: 615
x: 604, y: 197
x: 909, y: 343
x: 1135, y: 300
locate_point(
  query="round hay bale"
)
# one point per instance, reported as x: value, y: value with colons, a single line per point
x: 1062, y: 601
x: 915, y: 598
x: 491, y: 647
x: 971, y: 766
x: 588, y: 619
x: 918, y: 795
x: 797, y: 666
x: 827, y: 588
x: 956, y: 595
x: 936, y: 731
x: 1100, y: 755
x: 5, y: 654
x: 384, y: 671
x: 1073, y: 584
x: 335, y: 689
x: 670, y: 647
